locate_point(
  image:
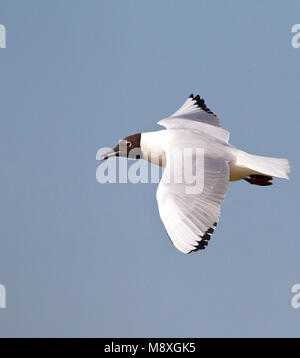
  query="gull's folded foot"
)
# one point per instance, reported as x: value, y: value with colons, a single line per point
x: 258, y: 179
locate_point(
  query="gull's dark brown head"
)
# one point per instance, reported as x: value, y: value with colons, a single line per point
x: 129, y: 147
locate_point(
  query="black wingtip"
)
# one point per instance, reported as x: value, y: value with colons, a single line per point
x: 204, y: 239
x: 201, y: 104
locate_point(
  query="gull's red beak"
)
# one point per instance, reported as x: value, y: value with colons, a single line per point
x: 111, y: 153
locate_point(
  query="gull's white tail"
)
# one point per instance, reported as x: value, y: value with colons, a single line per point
x: 275, y: 167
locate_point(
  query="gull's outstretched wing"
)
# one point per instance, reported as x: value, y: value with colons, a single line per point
x: 191, y: 217
x: 195, y: 109
x: 195, y: 115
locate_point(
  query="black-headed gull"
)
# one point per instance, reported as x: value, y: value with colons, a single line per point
x: 190, y: 217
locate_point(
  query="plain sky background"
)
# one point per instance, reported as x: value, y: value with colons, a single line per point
x: 83, y: 259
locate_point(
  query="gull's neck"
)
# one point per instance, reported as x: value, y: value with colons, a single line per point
x: 152, y: 147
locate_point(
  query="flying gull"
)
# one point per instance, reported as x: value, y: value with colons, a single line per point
x: 190, y: 218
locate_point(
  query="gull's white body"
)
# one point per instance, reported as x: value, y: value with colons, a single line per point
x: 241, y: 164
x: 191, y: 219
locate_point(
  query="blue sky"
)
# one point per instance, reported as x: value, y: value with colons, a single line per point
x: 82, y: 259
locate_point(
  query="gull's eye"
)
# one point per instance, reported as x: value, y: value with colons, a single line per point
x: 129, y: 144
